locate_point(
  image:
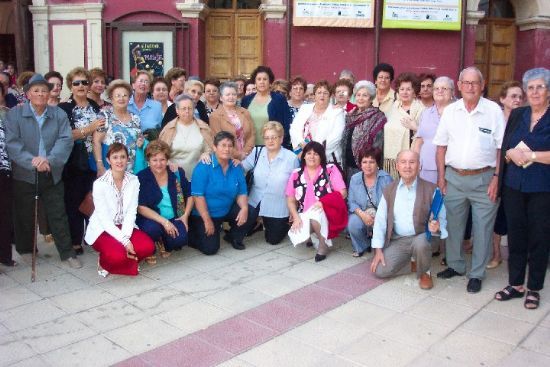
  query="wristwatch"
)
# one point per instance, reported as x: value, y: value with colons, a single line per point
x: 533, y: 156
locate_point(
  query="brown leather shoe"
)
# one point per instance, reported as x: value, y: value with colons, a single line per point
x: 413, y: 266
x: 425, y: 281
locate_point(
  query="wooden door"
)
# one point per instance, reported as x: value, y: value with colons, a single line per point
x: 220, y: 29
x: 233, y: 42
x: 495, y: 52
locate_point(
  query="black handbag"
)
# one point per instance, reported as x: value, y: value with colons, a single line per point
x: 250, y: 174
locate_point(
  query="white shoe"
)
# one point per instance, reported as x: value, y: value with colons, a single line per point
x: 74, y: 263
x: 102, y: 272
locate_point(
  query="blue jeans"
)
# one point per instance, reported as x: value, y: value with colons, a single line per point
x: 358, y: 233
x: 156, y: 231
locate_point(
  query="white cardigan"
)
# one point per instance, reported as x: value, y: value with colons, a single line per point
x: 330, y: 129
x: 105, y: 203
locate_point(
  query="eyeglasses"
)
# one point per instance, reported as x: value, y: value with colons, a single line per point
x: 537, y: 88
x: 270, y: 138
x: 119, y: 96
x: 441, y: 89
x: 77, y: 83
x: 322, y: 93
x: 468, y: 83
x: 143, y: 81
x: 383, y: 77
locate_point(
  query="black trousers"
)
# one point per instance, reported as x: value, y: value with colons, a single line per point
x: 275, y: 229
x: 52, y: 197
x: 77, y: 184
x: 528, y: 220
x: 209, y: 245
x: 6, y: 223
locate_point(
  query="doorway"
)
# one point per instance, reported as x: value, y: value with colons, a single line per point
x: 233, y: 38
x: 496, y: 45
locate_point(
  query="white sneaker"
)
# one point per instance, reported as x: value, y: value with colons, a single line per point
x: 74, y: 263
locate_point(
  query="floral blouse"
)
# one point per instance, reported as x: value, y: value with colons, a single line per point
x: 83, y: 117
x: 4, y: 160
x: 127, y: 133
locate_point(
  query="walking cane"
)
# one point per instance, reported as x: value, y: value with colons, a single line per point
x: 33, y: 272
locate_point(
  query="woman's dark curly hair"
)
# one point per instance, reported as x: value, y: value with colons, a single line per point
x: 263, y: 69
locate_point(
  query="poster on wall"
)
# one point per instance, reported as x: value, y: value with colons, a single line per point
x: 147, y: 50
x: 147, y: 56
x: 422, y: 14
x: 334, y: 13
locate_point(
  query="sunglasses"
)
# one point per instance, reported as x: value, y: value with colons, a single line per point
x: 76, y: 83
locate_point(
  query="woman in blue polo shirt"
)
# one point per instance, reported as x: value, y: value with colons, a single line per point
x: 219, y: 192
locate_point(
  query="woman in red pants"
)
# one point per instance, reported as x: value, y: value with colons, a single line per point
x: 111, y: 230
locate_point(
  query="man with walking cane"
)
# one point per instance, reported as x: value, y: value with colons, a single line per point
x: 39, y: 142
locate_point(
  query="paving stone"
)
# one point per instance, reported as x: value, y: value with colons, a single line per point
x: 143, y: 335
x: 237, y: 299
x: 288, y: 351
x: 275, y: 284
x: 13, y: 350
x: 30, y: 314
x: 17, y: 296
x: 497, y: 327
x: 538, y: 341
x: 376, y: 350
x: 83, y: 299
x: 157, y: 300
x: 194, y: 316
x: 55, y: 334
x: 110, y: 316
x: 469, y: 349
x: 96, y: 351
x: 413, y: 331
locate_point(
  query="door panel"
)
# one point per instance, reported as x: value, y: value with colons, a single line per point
x: 219, y: 45
x: 495, y: 50
x: 233, y: 43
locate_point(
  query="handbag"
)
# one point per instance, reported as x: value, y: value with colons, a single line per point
x: 250, y: 174
x: 86, y: 207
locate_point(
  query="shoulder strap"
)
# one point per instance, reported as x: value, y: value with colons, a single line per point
x: 257, y: 154
x: 367, y: 191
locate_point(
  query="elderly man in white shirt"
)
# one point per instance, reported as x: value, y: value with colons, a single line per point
x: 399, y: 231
x: 468, y: 142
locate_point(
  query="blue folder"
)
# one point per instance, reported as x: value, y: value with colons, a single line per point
x: 437, y: 204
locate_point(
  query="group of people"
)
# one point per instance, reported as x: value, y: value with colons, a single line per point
x: 167, y: 161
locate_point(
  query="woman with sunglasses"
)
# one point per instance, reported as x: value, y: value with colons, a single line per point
x: 78, y: 176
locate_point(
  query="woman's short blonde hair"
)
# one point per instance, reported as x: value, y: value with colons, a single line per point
x: 191, y: 83
x: 142, y: 72
x: 157, y: 146
x: 118, y: 83
x: 275, y: 126
x: 74, y: 72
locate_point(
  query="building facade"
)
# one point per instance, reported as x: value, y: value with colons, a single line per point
x: 224, y: 38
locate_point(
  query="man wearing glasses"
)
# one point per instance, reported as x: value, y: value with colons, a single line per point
x: 468, y: 142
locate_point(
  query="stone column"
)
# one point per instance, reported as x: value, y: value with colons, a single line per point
x: 41, y: 37
x: 533, y: 37
x: 194, y: 12
x: 473, y: 16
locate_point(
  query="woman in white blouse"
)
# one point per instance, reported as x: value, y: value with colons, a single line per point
x: 321, y: 122
x: 272, y: 168
x: 111, y: 230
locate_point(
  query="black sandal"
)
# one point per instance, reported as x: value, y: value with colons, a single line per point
x: 508, y: 293
x: 78, y: 250
x: 533, y: 302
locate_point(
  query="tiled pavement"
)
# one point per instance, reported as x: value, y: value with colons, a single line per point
x: 265, y: 306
